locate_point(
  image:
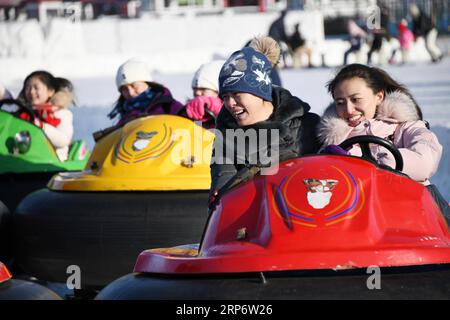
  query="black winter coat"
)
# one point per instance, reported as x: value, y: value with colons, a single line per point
x: 297, y: 136
x: 422, y: 24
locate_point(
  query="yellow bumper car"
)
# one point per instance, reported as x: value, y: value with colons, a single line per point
x: 145, y: 185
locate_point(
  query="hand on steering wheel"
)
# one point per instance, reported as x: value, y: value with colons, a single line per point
x: 364, y: 142
x: 22, y: 107
x: 211, y: 119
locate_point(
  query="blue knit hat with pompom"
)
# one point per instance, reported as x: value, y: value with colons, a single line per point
x: 247, y: 70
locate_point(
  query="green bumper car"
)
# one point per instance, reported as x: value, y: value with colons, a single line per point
x: 27, y: 158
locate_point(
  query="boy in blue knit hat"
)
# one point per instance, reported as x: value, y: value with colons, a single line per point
x: 254, y: 106
x: 246, y: 87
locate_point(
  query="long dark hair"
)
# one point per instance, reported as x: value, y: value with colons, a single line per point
x: 375, y: 78
x: 51, y: 82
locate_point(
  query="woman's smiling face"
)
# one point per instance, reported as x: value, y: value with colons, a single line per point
x: 355, y: 101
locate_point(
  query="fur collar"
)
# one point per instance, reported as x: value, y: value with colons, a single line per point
x: 397, y: 107
x: 62, y: 99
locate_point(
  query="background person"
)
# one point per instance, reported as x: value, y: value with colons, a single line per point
x: 139, y: 95
x: 422, y: 26
x: 205, y: 89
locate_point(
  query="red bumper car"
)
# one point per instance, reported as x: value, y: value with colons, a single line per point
x: 16, y: 289
x: 316, y: 227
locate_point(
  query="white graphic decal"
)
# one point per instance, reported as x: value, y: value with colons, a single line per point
x: 142, y: 140
x: 319, y: 192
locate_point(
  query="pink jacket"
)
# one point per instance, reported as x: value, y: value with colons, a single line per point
x: 406, y: 38
x: 397, y: 120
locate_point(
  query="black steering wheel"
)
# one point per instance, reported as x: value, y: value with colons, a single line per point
x: 364, y: 142
x: 212, y: 118
x: 22, y: 107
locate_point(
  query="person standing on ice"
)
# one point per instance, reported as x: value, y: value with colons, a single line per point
x: 379, y: 33
x: 277, y: 31
x: 50, y: 98
x: 424, y: 27
x: 367, y: 101
x: 206, y: 104
x: 405, y: 38
x: 252, y: 105
x: 139, y: 95
x: 356, y: 37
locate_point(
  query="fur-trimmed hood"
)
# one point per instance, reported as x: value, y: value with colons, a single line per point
x: 397, y: 107
x: 62, y: 99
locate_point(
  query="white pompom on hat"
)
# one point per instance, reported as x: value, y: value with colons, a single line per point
x: 131, y: 71
x: 207, y: 76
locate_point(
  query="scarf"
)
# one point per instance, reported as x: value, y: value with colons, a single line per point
x: 45, y: 113
x: 140, y: 102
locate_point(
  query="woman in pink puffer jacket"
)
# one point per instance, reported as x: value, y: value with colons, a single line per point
x: 367, y: 101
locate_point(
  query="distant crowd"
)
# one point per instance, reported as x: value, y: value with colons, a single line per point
x: 296, y: 47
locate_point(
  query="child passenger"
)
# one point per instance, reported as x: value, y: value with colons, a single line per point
x: 50, y: 98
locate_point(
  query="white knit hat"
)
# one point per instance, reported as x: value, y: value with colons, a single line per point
x: 131, y: 71
x: 207, y: 76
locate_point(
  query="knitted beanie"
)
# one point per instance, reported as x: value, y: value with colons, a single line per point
x: 132, y: 71
x: 247, y: 70
x: 207, y: 76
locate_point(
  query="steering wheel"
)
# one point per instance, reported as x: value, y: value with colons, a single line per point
x: 364, y: 142
x: 212, y: 118
x: 22, y: 107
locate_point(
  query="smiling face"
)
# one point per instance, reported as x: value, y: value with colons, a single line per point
x: 247, y: 108
x: 134, y: 89
x: 355, y: 101
x: 36, y: 92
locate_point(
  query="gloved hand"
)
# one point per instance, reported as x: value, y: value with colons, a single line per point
x: 334, y: 149
x: 195, y: 108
